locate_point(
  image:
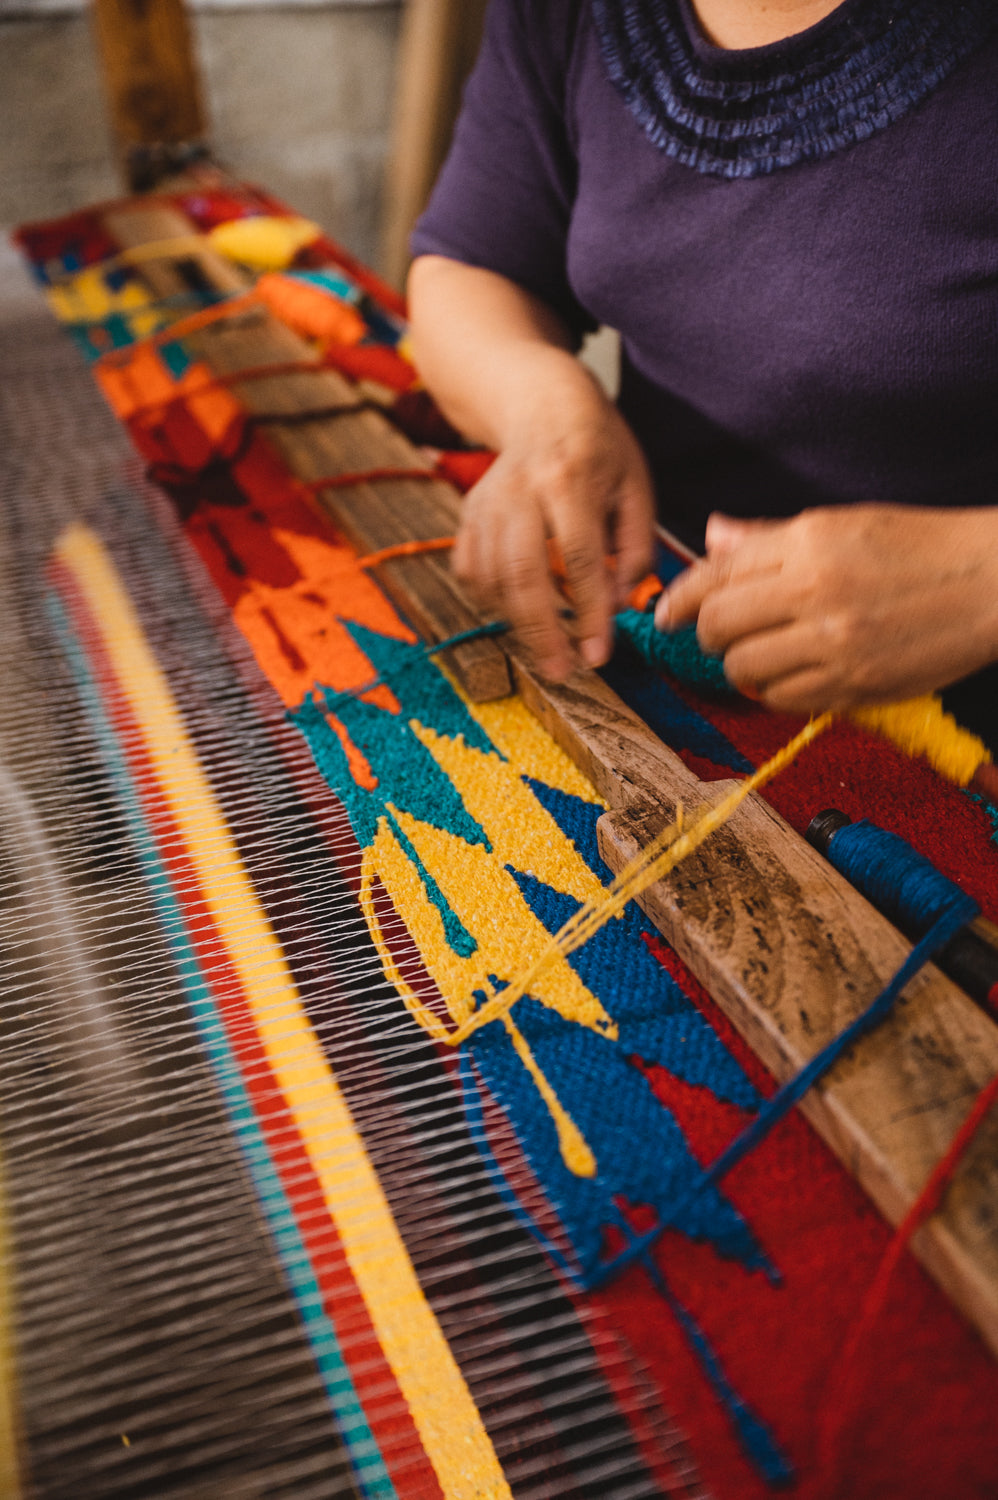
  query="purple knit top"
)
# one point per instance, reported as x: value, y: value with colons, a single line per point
x: 798, y: 243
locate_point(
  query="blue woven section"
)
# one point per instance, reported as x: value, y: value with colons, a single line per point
x: 656, y: 1020
x: 639, y: 1147
x: 950, y: 920
x: 678, y: 651
x: 751, y: 113
x: 662, y: 709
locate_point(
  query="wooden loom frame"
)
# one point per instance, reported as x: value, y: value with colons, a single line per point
x: 786, y: 946
x: 159, y: 121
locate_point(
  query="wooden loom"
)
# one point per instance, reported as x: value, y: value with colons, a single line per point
x: 789, y: 950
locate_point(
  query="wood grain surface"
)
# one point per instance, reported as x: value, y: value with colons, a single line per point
x: 787, y: 947
x: 150, y: 75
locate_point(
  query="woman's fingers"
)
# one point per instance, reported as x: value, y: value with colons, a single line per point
x: 529, y: 598
x: 586, y: 490
x: 583, y: 552
x: 846, y: 605
x: 744, y: 607
x: 757, y: 662
x: 632, y: 536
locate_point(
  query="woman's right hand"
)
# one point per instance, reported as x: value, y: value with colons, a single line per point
x: 569, y: 471
x: 500, y: 363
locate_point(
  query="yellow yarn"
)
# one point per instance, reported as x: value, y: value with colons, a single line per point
x: 664, y: 852
x: 265, y: 243
x: 921, y: 726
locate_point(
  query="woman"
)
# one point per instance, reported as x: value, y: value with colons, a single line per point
x: 789, y: 208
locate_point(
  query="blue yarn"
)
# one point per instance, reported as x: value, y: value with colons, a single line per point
x: 678, y: 651
x: 897, y: 879
x: 475, y: 1116
x: 960, y: 910
x: 753, y: 1434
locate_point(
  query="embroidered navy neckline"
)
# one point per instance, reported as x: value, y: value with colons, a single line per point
x: 747, y: 113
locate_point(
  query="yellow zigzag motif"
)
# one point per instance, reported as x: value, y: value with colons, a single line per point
x: 484, y: 895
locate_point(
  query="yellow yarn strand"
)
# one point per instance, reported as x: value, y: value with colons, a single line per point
x: 921, y: 726
x: 135, y: 255
x: 663, y: 854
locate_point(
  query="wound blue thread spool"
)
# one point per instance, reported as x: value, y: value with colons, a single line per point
x: 908, y: 889
x: 899, y: 881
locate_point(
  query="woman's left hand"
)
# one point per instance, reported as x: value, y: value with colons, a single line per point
x: 844, y: 605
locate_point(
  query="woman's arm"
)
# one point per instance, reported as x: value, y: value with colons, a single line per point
x: 500, y: 363
x: 845, y: 605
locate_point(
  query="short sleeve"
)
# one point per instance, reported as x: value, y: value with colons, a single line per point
x: 504, y: 198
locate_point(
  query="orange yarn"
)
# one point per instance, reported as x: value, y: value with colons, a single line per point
x: 406, y: 549
x: 193, y: 323
x: 307, y: 309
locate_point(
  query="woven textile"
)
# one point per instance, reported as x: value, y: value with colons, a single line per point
x: 330, y: 880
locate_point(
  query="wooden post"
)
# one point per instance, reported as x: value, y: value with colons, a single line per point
x: 440, y: 39
x: 152, y: 85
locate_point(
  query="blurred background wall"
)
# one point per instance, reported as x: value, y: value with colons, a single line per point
x: 299, y: 98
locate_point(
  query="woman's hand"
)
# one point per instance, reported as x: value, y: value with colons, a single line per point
x: 569, y: 472
x: 844, y: 605
x: 500, y: 363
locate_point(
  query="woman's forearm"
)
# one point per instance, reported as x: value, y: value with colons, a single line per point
x: 490, y: 352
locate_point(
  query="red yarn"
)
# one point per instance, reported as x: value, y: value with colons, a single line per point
x: 366, y: 476
x: 847, y: 1377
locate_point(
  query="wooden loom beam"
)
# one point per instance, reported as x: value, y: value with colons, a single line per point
x: 152, y: 84
x: 789, y: 949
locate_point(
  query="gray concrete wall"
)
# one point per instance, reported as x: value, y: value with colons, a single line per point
x: 299, y: 100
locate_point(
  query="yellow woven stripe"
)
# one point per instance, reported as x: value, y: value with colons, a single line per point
x: 445, y: 1415
x: 10, y: 1468
x: 921, y: 726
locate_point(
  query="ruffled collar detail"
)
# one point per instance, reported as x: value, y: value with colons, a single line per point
x: 747, y: 113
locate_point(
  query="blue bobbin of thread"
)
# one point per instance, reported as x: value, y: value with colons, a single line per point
x: 909, y: 891
x: 899, y: 881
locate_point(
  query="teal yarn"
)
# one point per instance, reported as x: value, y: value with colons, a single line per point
x: 458, y: 937
x: 677, y: 652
